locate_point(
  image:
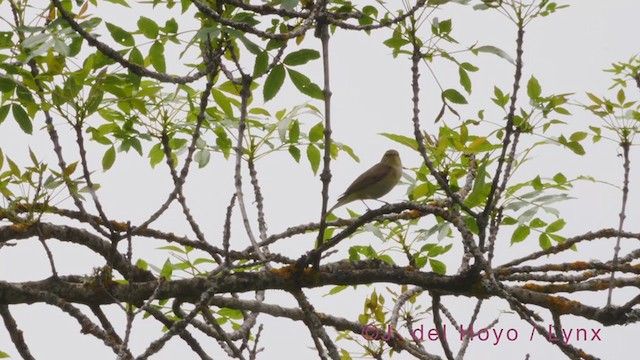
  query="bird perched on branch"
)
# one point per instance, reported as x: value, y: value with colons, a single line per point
x: 375, y: 182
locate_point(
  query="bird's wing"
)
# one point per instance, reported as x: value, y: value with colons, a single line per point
x: 376, y: 173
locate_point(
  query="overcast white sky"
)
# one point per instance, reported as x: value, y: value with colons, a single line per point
x: 371, y: 95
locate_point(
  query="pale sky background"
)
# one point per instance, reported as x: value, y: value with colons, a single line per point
x: 371, y: 94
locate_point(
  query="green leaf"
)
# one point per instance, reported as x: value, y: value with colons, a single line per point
x: 349, y: 151
x: 294, y: 131
x: 404, y: 140
x: 439, y: 250
x: 533, y: 88
x: 477, y: 143
x: 454, y: 96
x: 480, y: 189
x: 121, y: 36
x: 595, y: 99
x: 544, y: 241
x: 559, y: 178
x: 469, y: 67
x: 135, y: 56
x: 301, y: 57
x: 423, y: 190
x: 223, y: 141
x: 559, y: 239
x: 621, y: 97
x: 177, y: 143
x: 261, y: 64
x: 156, y: 57
x: 527, y: 215
x: 203, y: 261
x: 520, y: 234
x: 167, y: 270
x: 536, y: 183
x: 148, y: 27
x: 250, y: 45
x: 289, y: 4
x: 202, y: 157
x: 231, y: 313
x: 578, y: 136
x: 313, y: 154
x: 438, y: 266
x: 70, y: 169
x: 6, y: 84
x: 222, y: 101
x: 13, y: 167
x: 556, y: 226
x: 444, y: 27
x: 156, y: 155
x: 108, y: 158
x: 395, y: 42
x: 465, y: 81
x: 561, y: 111
x: 295, y: 153
x: 141, y: 264
x: 317, y: 132
x: 304, y: 85
x: 336, y: 289
x: 576, y: 147
x: 171, y: 26
x: 234, y: 89
x: 537, y: 223
x: 22, y: 118
x: 274, y: 82
x: 4, y: 111
x: 495, y: 51
x: 501, y: 99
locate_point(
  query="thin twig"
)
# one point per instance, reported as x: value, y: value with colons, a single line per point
x: 15, y: 333
x: 492, y: 199
x: 625, y: 194
x: 325, y: 176
x: 435, y: 305
x: 417, y: 131
x: 315, y: 327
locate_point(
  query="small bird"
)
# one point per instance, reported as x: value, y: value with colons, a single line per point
x: 375, y: 182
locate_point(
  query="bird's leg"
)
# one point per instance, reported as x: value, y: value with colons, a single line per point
x: 365, y: 204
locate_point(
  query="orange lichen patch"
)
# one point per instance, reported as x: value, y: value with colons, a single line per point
x: 601, y: 285
x: 533, y: 287
x: 119, y: 226
x: 415, y: 213
x: 286, y: 272
x: 19, y: 227
x: 410, y: 214
x: 588, y: 274
x: 574, y: 266
x: 583, y: 354
x: 562, y: 305
x: 579, y: 265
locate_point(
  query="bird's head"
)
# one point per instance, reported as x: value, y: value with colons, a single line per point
x: 392, y: 158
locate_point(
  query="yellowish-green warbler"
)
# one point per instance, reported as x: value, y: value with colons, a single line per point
x: 375, y: 182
